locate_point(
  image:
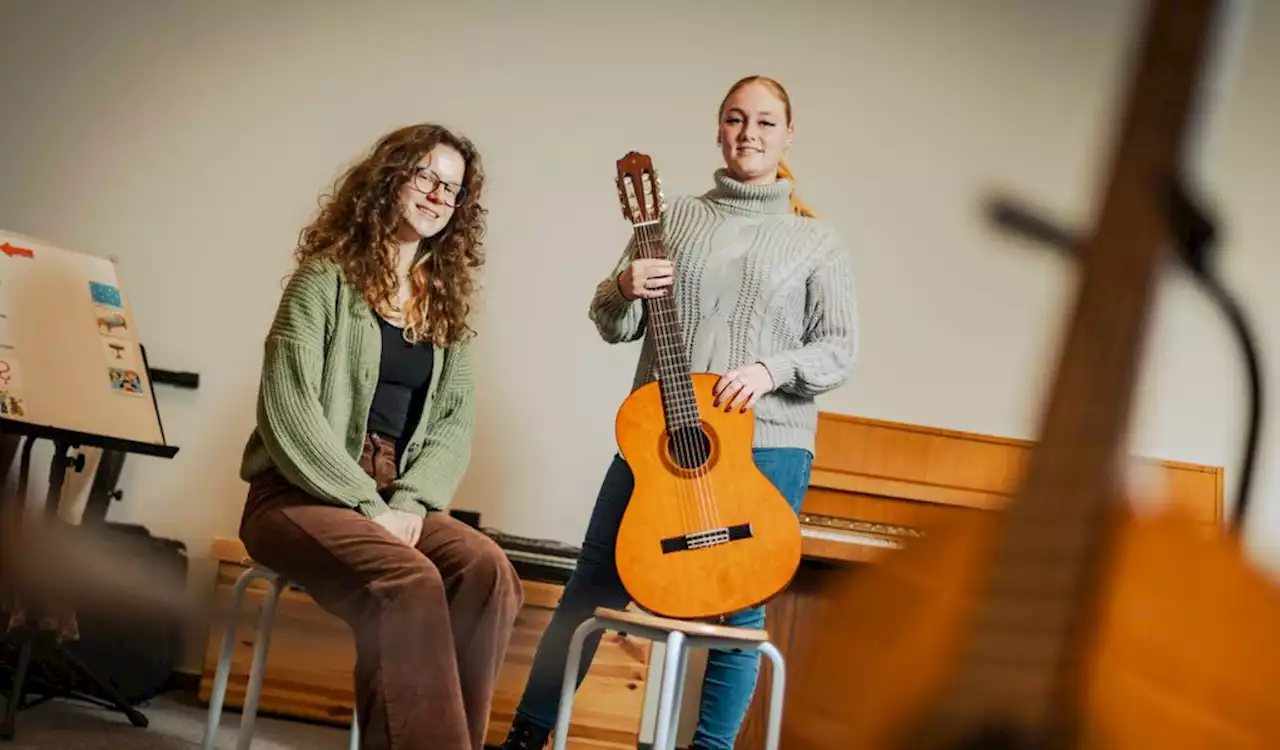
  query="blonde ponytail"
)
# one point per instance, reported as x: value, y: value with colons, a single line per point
x: 798, y: 207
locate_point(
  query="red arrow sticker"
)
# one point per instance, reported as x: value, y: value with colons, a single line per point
x: 14, y: 250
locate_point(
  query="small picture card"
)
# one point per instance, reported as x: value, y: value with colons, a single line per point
x: 125, y: 381
x: 111, y: 322
x: 10, y: 373
x: 119, y: 353
x: 12, y: 404
x: 105, y: 294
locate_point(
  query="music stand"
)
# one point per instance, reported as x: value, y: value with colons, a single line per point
x: 72, y: 372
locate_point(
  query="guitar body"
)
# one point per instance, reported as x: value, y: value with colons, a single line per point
x: 752, y: 535
x: 1183, y: 654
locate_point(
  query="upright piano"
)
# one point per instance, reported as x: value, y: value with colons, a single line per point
x: 877, y: 486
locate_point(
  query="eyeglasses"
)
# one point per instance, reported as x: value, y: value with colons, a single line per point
x: 425, y: 181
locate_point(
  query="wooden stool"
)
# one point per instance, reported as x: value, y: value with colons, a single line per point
x: 249, y: 713
x: 679, y: 636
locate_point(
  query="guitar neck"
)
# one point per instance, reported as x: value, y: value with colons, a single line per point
x: 1056, y: 534
x: 675, y: 380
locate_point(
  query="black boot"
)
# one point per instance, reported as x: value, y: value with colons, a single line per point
x: 525, y: 736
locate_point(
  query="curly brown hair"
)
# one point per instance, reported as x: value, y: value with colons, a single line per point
x: 357, y: 223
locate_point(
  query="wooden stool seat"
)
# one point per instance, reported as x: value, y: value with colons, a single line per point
x: 693, y: 628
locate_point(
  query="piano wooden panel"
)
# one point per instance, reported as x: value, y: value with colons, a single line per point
x: 878, y: 485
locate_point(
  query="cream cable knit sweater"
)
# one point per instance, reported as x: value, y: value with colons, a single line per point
x: 753, y: 283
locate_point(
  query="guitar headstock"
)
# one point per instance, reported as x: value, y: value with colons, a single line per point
x: 639, y: 189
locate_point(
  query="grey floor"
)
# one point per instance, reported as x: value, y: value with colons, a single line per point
x: 176, y: 723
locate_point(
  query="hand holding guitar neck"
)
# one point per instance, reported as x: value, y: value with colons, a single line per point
x: 646, y: 278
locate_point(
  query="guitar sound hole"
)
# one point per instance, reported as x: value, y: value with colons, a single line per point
x: 689, y: 447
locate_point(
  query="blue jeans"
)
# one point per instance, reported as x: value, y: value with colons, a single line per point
x: 730, y: 678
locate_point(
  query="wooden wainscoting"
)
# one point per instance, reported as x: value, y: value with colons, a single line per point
x: 312, y: 656
x: 877, y: 485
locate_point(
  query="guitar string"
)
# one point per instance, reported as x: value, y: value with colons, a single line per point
x: 683, y: 445
x: 680, y: 442
x: 687, y: 445
x: 686, y: 505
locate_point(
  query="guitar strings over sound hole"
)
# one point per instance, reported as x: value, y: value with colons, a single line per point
x: 689, y: 447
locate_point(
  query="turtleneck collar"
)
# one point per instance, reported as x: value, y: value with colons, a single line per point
x: 750, y: 200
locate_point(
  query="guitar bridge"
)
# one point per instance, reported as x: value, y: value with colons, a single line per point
x: 706, y: 538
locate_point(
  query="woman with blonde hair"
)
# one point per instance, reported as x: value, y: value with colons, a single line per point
x: 765, y: 295
x: 366, y: 413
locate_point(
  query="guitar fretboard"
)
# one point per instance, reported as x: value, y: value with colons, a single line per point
x: 663, y: 321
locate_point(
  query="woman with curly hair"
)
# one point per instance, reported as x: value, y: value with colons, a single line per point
x: 364, y: 426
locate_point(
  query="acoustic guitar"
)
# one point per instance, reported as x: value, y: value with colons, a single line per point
x: 1068, y: 619
x: 705, y: 533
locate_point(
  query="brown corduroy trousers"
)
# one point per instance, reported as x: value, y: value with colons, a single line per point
x: 431, y: 622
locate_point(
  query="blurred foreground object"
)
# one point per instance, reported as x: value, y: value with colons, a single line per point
x: 1066, y: 621
x: 53, y: 575
x: 50, y: 566
x: 55, y: 578
x: 1195, y: 233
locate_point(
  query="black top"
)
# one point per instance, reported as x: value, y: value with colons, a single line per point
x: 403, y: 380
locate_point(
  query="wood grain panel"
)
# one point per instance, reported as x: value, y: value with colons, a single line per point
x: 907, y: 462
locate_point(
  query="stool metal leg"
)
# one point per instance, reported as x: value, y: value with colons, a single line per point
x: 777, y: 690
x: 353, y: 743
x: 677, y: 698
x: 569, y: 685
x: 219, y: 692
x: 249, y: 714
x: 667, y: 722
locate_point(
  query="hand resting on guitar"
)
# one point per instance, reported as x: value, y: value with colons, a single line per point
x: 742, y: 387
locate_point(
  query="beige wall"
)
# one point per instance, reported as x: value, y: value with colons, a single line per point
x: 190, y: 140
